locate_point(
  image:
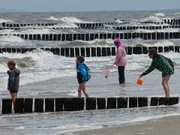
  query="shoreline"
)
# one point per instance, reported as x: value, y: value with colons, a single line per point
x: 162, y: 126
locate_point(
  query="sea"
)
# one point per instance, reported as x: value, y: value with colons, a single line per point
x: 44, y: 74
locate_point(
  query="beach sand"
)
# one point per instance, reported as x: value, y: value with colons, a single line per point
x: 164, y: 126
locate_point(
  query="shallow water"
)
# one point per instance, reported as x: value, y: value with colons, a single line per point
x: 69, y: 122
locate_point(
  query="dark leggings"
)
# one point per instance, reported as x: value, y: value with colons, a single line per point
x: 121, y: 74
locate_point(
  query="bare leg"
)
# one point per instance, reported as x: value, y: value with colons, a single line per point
x: 84, y: 89
x: 165, y: 84
x: 79, y: 91
x: 13, y: 97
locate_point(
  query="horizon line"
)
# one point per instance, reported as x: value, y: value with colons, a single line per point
x: 17, y: 10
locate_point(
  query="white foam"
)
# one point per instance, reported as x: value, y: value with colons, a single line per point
x: 160, y: 14
x: 19, y: 128
x: 6, y: 31
x: 52, y: 18
x: 65, y: 25
x: 36, y: 31
x: 118, y: 21
x: 98, y: 42
x: 72, y: 20
x: 66, y: 22
x: 5, y: 20
x: 151, y: 19
x: 11, y: 39
x: 67, y: 19
x: 160, y: 43
x: 154, y: 117
x: 157, y: 30
x: 75, y: 128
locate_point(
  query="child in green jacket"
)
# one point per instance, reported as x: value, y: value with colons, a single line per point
x: 164, y: 65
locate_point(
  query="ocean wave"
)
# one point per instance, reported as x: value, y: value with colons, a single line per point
x: 97, y: 42
x: 143, y: 43
x: 52, y: 18
x: 72, y: 20
x: 158, y: 30
x: 64, y: 25
x: 118, y: 21
x: 36, y: 66
x: 38, y: 59
x: 67, y: 19
x: 152, y: 19
x: 11, y: 39
x: 5, y: 20
x: 6, y: 31
x: 36, y: 31
x: 160, y: 14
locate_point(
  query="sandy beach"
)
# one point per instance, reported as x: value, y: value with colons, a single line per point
x: 163, y: 126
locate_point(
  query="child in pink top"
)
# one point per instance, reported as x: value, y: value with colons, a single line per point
x: 120, y: 60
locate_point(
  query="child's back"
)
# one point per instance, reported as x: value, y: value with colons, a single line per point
x: 82, y: 75
x: 83, y: 70
x: 13, y: 81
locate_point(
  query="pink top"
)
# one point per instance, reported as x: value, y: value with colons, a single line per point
x: 121, y: 59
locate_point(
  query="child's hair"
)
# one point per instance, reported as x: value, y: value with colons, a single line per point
x: 11, y: 62
x: 153, y: 51
x: 80, y: 59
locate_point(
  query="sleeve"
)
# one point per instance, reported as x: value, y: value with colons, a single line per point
x: 8, y: 72
x: 149, y: 70
x: 87, y: 68
x: 17, y: 72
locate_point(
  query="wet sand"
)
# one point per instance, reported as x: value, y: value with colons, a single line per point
x: 164, y: 126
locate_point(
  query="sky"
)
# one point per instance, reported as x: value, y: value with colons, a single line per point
x: 87, y: 5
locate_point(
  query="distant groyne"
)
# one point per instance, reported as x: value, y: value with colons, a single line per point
x: 95, y: 51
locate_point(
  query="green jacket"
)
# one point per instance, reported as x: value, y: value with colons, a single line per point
x: 161, y: 63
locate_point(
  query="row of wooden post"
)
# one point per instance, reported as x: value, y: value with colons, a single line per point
x: 30, y: 105
x: 91, y: 51
x: 93, y: 36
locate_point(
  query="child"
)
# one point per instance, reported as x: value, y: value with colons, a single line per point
x: 164, y: 65
x: 120, y: 60
x: 13, y: 80
x: 82, y: 75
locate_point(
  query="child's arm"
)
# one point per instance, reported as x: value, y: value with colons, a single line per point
x: 150, y: 69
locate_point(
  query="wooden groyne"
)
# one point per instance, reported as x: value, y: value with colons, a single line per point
x: 92, y: 51
x: 93, y: 36
x: 39, y: 105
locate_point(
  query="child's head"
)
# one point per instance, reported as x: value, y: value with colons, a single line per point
x: 153, y: 53
x: 79, y: 59
x: 117, y: 42
x: 11, y: 64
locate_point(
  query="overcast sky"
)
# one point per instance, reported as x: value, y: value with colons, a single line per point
x: 88, y: 5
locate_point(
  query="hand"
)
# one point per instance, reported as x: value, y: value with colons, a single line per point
x: 114, y: 65
x: 140, y: 76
